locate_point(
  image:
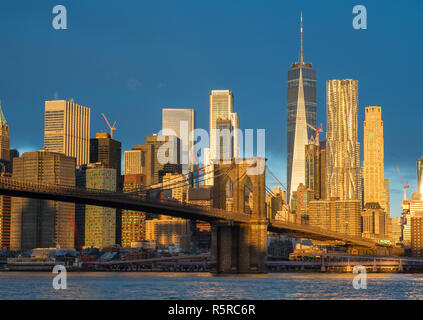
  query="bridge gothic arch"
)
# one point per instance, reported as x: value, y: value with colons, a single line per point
x: 248, y: 190
x: 248, y: 196
x: 229, y: 194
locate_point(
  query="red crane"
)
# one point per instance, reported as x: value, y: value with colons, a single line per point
x: 318, y: 130
x: 76, y: 232
x: 406, y: 185
x: 200, y: 168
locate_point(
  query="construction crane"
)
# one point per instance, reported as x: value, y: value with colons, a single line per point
x: 112, y: 128
x: 406, y: 185
x: 76, y: 233
x: 200, y: 168
x: 318, y: 131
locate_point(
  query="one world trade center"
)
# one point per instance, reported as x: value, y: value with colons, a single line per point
x: 302, y: 110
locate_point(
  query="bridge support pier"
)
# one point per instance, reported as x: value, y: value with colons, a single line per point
x: 323, y: 268
x: 400, y: 267
x: 239, y: 247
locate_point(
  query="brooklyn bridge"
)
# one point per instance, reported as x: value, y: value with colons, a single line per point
x: 239, y: 237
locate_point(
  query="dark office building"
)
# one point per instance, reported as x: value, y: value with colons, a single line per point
x: 169, y: 168
x: 37, y: 223
x: 107, y: 151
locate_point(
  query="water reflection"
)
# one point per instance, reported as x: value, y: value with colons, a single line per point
x: 311, y: 286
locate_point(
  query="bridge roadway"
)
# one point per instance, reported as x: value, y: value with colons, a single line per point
x: 141, y: 202
x: 188, y: 258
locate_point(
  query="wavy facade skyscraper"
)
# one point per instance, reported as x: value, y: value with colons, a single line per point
x: 344, y: 174
x: 302, y: 110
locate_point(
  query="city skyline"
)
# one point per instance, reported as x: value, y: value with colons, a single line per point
x: 219, y: 151
x: 396, y: 154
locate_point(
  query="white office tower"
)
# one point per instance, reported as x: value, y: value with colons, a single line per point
x: 181, y: 122
x: 67, y: 130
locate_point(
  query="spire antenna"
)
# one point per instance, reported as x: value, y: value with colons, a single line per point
x: 302, y: 51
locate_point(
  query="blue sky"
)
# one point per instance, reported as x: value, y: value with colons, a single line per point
x: 129, y: 59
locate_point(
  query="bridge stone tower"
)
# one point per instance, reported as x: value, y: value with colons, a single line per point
x: 239, y: 187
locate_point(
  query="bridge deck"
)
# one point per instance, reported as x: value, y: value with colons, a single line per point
x: 143, y: 203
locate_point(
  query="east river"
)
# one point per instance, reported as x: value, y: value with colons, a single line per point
x: 187, y: 286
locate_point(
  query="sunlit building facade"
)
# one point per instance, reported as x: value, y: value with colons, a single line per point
x: 99, y: 222
x: 323, y: 177
x: 299, y: 202
x: 396, y: 230
x: 224, y: 141
x: 165, y: 230
x: 388, y: 196
x: 140, y: 160
x: 342, y: 216
x: 67, y: 129
x: 221, y: 107
x: 343, y: 171
x: 43, y: 223
x: 221, y: 117
x: 4, y: 141
x: 410, y: 209
x: 374, y: 221
x: 274, y: 202
x: 181, y: 122
x: 373, y: 164
x: 168, y: 230
x: 133, y: 222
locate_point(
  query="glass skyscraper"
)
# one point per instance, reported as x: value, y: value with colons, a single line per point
x: 221, y: 108
x: 221, y: 112
x: 302, y: 110
x: 182, y: 123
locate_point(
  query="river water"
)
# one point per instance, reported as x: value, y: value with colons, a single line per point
x: 187, y: 286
